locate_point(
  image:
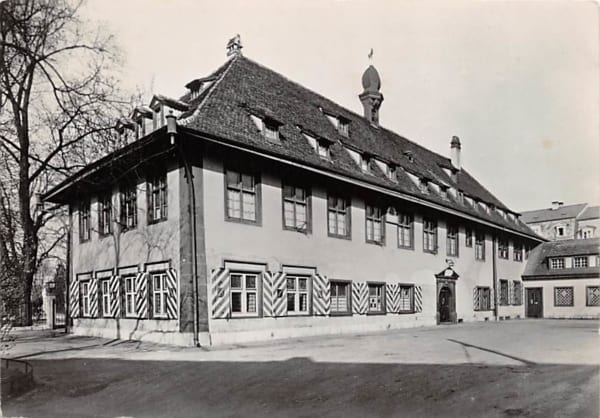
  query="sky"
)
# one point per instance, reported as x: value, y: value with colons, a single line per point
x: 518, y: 82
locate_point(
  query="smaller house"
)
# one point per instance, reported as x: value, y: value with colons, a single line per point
x: 558, y: 222
x: 588, y: 223
x: 562, y: 280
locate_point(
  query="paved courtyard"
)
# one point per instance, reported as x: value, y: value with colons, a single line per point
x: 512, y: 368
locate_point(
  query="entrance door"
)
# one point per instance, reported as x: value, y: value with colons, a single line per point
x: 444, y: 304
x: 535, y: 304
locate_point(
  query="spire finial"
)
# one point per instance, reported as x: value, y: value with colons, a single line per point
x: 371, y: 55
x: 234, y: 46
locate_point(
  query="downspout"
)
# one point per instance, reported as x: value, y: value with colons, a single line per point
x: 495, y: 277
x: 68, y: 270
x: 172, y: 131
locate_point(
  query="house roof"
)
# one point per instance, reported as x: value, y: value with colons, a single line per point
x: 537, y: 263
x: 549, y: 214
x: 591, y: 212
x: 242, y: 87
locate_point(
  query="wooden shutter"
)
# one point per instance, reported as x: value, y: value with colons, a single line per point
x: 172, y: 294
x: 74, y: 298
x: 275, y: 294
x: 114, y: 288
x: 93, y: 296
x: 418, y: 299
x: 141, y: 295
x: 220, y: 290
x: 360, y: 298
x: 392, y: 295
x: 321, y: 295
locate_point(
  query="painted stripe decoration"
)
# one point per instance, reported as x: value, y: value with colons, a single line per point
x: 392, y: 295
x: 219, y: 279
x: 172, y: 294
x: 360, y: 298
x: 74, y: 298
x: 141, y: 294
x: 115, y: 296
x: 321, y: 295
x: 418, y: 299
x: 93, y: 297
x: 475, y: 298
x: 275, y: 294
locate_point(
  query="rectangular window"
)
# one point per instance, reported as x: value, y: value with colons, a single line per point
x: 295, y: 208
x: 244, y: 294
x: 104, y: 215
x: 338, y: 216
x: 503, y: 248
x: 452, y: 241
x: 503, y: 292
x: 517, y: 293
x: 429, y: 236
x: 297, y: 295
x: 84, y: 289
x: 482, y: 299
x: 323, y: 149
x: 157, y: 198
x: 580, y: 262
x: 375, y: 224
x: 242, y: 196
x: 517, y: 252
x: 468, y: 237
x: 343, y: 126
x: 376, y: 297
x: 129, y: 295
x: 592, y: 296
x: 160, y: 293
x: 84, y: 221
x: 406, y: 299
x: 563, y: 296
x: 557, y: 263
x: 128, y: 212
x: 340, y: 297
x: 105, y: 300
x: 405, y: 230
x: 271, y: 131
x: 479, y: 246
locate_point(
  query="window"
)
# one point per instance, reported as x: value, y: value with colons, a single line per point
x: 406, y: 299
x: 297, y: 295
x: 517, y: 252
x: 343, y: 126
x: 517, y: 293
x: 376, y: 297
x: 444, y: 192
x: 244, y: 294
x: 128, y: 213
x: 323, y: 149
x: 557, y: 263
x: 84, y: 221
x: 424, y: 185
x: 160, y: 294
x: 129, y: 294
x: 479, y: 246
x: 338, y: 216
x: 580, y: 262
x: 157, y: 199
x: 390, y: 172
x: 592, y: 296
x: 405, y: 230
x: 375, y: 224
x: 468, y: 237
x: 84, y: 290
x: 105, y: 301
x: 242, y: 196
x: 340, y: 297
x: 503, y: 292
x: 503, y: 248
x: 482, y: 299
x: 271, y: 131
x: 452, y: 241
x: 429, y: 236
x: 365, y: 162
x: 295, y: 208
x: 104, y: 215
x: 559, y: 231
x: 527, y: 251
x: 563, y: 296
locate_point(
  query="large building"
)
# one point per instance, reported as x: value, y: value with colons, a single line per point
x: 253, y: 208
x: 564, y: 222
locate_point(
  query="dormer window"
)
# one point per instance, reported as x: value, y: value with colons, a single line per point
x: 340, y: 123
x: 424, y: 185
x: 270, y: 131
x: 268, y: 127
x: 444, y: 192
x: 365, y: 163
x: 409, y: 156
x: 321, y: 146
x: 390, y: 172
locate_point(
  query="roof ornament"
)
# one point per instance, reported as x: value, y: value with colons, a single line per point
x: 371, y: 55
x: 371, y: 98
x: 234, y: 46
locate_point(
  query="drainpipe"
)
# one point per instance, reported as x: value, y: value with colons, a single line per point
x: 495, y: 276
x: 172, y: 131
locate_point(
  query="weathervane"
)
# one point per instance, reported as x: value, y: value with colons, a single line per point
x: 371, y: 55
x: 234, y: 46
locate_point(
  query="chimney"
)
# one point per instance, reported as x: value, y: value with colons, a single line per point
x: 371, y: 98
x: 455, y: 151
x: 556, y: 204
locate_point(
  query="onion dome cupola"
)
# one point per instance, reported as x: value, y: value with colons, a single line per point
x: 371, y: 98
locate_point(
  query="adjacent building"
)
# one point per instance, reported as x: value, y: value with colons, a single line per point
x: 253, y: 208
x: 564, y: 222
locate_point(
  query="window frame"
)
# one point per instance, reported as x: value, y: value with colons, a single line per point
x: 488, y: 306
x: 105, y: 214
x: 85, y: 220
x: 517, y: 292
x: 244, y: 292
x: 402, y: 226
x: 373, y: 220
x: 257, y: 187
x: 348, y: 288
x: 469, y: 237
x: 162, y: 292
x: 433, y: 233
x: 85, y: 297
x: 560, y: 263
x: 104, y: 297
x: 581, y: 257
x: 297, y: 292
x: 155, y: 187
x: 128, y: 207
x: 587, y: 295
x: 479, y: 244
x: 125, y: 312
x: 503, y: 251
x: 348, y: 216
x: 517, y: 252
x: 307, y: 203
x: 557, y: 289
x: 503, y: 299
x: 382, y: 301
x: 411, y: 298
x: 452, y: 237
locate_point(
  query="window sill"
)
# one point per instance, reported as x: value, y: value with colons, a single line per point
x: 242, y: 221
x: 298, y: 315
x: 346, y: 237
x: 406, y: 312
x: 340, y: 314
x: 305, y: 231
x: 376, y: 313
x: 157, y: 221
x: 378, y: 243
x: 452, y: 255
x: 403, y: 247
x: 430, y: 252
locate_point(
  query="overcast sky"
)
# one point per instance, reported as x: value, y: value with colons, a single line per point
x: 518, y: 82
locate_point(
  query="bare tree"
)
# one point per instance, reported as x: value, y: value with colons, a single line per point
x: 58, y: 104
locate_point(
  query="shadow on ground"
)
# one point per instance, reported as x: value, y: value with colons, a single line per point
x: 301, y: 387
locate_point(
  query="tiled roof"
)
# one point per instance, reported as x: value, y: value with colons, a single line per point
x: 549, y: 214
x: 591, y: 212
x: 245, y: 87
x: 537, y: 264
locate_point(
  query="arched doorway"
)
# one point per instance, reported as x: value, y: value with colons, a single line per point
x: 444, y: 305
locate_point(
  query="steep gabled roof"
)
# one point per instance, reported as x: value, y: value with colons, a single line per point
x: 591, y: 212
x: 537, y: 264
x: 549, y: 214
